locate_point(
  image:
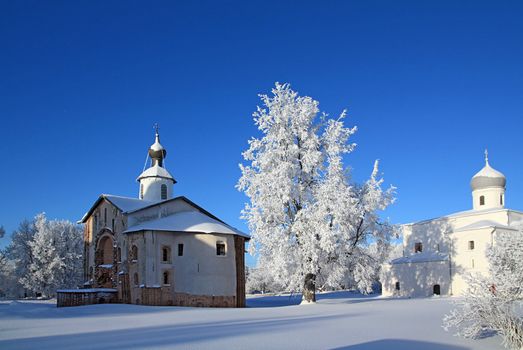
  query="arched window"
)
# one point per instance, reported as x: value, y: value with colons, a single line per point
x: 471, y: 245
x: 134, y: 253
x: 500, y: 199
x: 166, y: 277
x: 136, y: 281
x: 164, y: 191
x: 166, y: 254
x: 481, y: 200
x: 105, y: 248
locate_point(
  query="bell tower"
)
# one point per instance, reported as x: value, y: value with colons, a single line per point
x: 156, y: 183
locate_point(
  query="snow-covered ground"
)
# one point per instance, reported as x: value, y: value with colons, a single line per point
x: 340, y: 320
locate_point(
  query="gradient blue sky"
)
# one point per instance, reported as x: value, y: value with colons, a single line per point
x: 429, y: 84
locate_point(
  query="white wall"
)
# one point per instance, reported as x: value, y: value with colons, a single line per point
x: 416, y: 279
x: 199, y: 271
x: 152, y: 188
x: 492, y: 198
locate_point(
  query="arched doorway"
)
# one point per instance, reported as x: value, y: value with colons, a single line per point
x: 104, y: 259
x: 105, y: 248
x: 436, y: 290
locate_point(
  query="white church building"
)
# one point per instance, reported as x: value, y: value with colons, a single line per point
x: 438, y: 252
x: 159, y: 249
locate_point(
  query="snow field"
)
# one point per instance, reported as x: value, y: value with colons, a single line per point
x: 340, y: 320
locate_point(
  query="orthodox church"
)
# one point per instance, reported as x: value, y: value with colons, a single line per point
x: 158, y: 249
x: 437, y: 253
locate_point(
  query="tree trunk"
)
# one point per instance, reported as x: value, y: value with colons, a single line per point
x: 309, y: 288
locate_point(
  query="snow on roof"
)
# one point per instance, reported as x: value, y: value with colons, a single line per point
x: 156, y: 171
x: 125, y: 204
x: 470, y: 212
x: 187, y: 221
x: 483, y: 224
x: 421, y: 257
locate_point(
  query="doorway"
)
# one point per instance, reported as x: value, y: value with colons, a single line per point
x: 436, y: 289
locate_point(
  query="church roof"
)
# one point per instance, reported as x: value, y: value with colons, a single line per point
x: 484, y: 224
x: 187, y: 221
x: 156, y: 171
x: 471, y: 212
x: 125, y: 204
x: 131, y: 205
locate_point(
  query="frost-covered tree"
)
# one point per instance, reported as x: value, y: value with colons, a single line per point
x: 494, y: 303
x: 57, y: 256
x: 310, y: 225
x: 259, y: 280
x: 9, y: 288
x: 19, y: 253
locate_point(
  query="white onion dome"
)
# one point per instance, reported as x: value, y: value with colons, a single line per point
x: 487, y: 177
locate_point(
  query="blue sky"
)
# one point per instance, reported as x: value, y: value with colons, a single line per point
x: 429, y: 84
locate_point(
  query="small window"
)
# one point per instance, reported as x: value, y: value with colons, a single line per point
x: 500, y: 199
x: 141, y: 191
x: 136, y: 281
x: 471, y: 245
x: 112, y: 226
x: 134, y: 253
x: 437, y: 247
x: 96, y: 222
x: 418, y: 247
x: 180, y: 249
x: 166, y: 280
x: 397, y: 286
x: 164, y: 191
x: 481, y: 200
x: 472, y: 263
x: 105, y: 216
x: 220, y: 248
x: 166, y: 254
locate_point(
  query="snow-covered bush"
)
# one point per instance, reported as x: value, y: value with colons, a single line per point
x: 311, y: 226
x: 493, y: 303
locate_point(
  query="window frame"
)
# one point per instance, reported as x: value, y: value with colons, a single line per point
x: 168, y: 274
x: 166, y: 252
x: 134, y: 253
x: 180, y: 249
x: 163, y: 191
x: 220, y: 244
